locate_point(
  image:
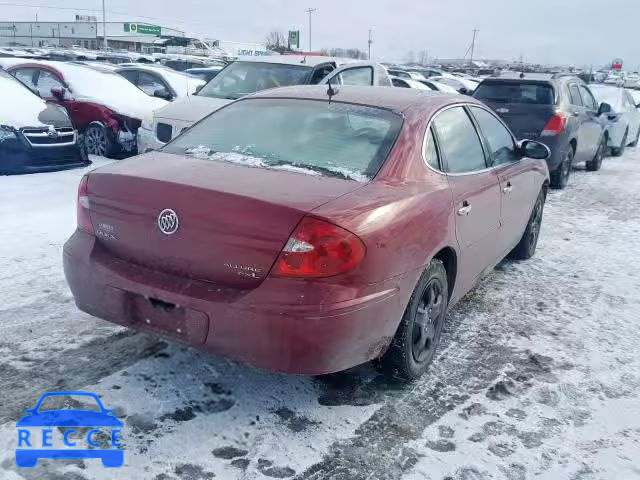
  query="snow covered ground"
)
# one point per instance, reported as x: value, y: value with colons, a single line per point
x: 538, y: 377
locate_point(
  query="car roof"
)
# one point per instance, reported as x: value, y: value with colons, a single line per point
x: 396, y: 99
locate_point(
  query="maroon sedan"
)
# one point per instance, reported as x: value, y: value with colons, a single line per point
x: 308, y: 234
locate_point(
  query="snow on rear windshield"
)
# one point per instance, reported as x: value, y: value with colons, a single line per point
x: 314, y: 137
x: 515, y: 92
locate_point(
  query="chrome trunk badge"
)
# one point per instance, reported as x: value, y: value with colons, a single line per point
x: 168, y: 221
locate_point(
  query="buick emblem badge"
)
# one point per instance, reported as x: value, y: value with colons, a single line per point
x: 168, y: 221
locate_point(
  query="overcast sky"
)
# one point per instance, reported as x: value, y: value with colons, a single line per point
x: 579, y: 32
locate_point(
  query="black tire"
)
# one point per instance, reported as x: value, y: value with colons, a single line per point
x: 414, y: 345
x: 617, y: 152
x: 595, y: 164
x: 526, y: 248
x: 635, y: 142
x: 560, y: 177
x: 98, y: 140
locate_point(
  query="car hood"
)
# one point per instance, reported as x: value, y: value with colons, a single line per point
x: 20, y: 107
x: 69, y: 418
x: 191, y: 109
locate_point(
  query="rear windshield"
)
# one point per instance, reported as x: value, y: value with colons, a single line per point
x: 313, y: 137
x: 242, y: 78
x: 512, y: 92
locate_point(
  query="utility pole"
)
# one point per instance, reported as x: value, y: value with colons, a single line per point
x: 104, y: 27
x: 473, y: 45
x: 370, y: 42
x: 309, y: 11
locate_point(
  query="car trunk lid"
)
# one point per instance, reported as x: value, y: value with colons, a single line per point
x: 233, y: 220
x: 525, y: 121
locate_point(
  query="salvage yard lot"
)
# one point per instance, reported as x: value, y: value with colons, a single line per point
x: 538, y: 375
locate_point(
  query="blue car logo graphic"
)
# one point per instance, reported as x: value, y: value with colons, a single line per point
x: 35, y: 433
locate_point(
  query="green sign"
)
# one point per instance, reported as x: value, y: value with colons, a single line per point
x: 142, y: 28
x: 294, y: 39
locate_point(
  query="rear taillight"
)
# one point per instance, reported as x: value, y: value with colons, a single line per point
x: 555, y: 125
x: 84, y: 221
x: 318, y: 249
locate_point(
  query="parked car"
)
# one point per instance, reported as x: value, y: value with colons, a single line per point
x: 559, y: 111
x: 161, y: 82
x: 205, y: 73
x: 462, y: 85
x: 34, y: 135
x: 343, y: 243
x: 104, y: 106
x: 439, y: 87
x: 624, y: 118
x: 406, y: 74
x: 408, y: 83
x: 247, y: 76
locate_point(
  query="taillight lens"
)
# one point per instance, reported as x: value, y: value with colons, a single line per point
x: 318, y: 249
x: 84, y: 221
x: 555, y: 125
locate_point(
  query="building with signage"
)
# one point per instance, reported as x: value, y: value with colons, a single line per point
x: 87, y: 32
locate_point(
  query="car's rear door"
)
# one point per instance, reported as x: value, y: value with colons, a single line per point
x: 579, y: 120
x: 519, y: 183
x: 592, y: 126
x: 475, y: 189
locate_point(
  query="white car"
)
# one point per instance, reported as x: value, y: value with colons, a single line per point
x: 161, y: 82
x: 624, y: 120
x: 247, y: 76
x: 422, y: 85
x: 461, y: 85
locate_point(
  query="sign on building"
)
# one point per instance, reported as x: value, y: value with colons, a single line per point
x: 617, y: 64
x: 142, y: 28
x: 294, y: 39
x: 86, y: 18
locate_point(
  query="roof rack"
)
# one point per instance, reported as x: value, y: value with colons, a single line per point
x: 563, y: 74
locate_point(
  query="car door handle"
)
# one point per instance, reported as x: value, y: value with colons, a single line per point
x: 465, y: 210
x: 508, y: 188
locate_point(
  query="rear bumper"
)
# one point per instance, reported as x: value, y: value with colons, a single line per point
x: 559, y: 147
x: 351, y: 326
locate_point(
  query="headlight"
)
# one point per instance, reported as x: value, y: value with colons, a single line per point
x: 147, y: 123
x: 7, y: 133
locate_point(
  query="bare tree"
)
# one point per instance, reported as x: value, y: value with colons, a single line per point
x: 275, y: 41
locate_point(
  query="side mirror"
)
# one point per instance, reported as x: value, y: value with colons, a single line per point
x: 163, y: 93
x: 604, y: 108
x: 29, y: 410
x: 535, y: 150
x: 58, y: 93
x: 463, y: 91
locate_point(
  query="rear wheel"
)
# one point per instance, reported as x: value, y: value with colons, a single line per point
x: 98, y: 141
x: 560, y: 177
x: 595, y: 164
x: 529, y: 241
x: 414, y: 344
x: 617, y: 152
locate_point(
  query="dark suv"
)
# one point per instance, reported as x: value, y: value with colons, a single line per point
x: 557, y: 110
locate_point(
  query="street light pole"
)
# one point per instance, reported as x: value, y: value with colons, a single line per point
x: 104, y: 27
x: 310, y: 11
x: 370, y: 42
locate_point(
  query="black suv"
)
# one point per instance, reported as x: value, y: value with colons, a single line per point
x: 558, y: 110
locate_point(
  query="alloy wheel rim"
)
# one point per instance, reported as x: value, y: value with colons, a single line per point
x: 428, y: 320
x: 96, y: 142
x: 534, y: 231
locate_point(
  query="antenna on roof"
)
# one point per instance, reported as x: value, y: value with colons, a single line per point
x: 331, y: 91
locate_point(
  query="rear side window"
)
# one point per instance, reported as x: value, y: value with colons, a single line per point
x: 459, y: 141
x: 501, y: 145
x: 431, y: 152
x: 587, y: 99
x: 25, y: 75
x: 574, y: 94
x: 516, y: 92
x: 332, y: 139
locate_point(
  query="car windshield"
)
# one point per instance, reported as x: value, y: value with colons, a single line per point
x: 515, y: 92
x: 610, y: 95
x: 69, y: 402
x: 242, y: 78
x: 332, y: 139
